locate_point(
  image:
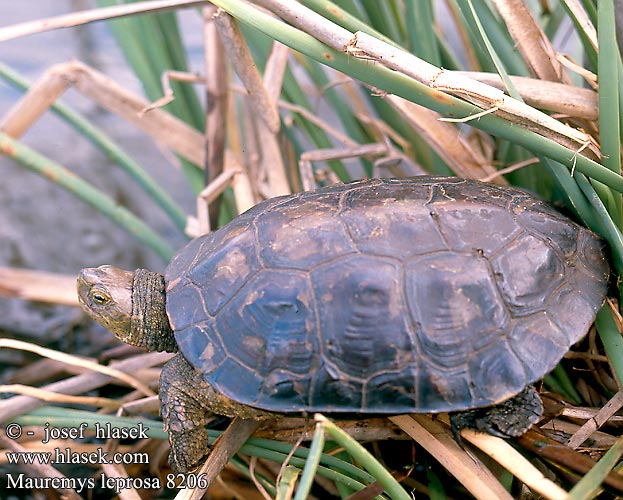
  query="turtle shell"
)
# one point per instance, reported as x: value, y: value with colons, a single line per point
x: 386, y: 296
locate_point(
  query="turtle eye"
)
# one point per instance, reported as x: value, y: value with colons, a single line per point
x: 99, y: 297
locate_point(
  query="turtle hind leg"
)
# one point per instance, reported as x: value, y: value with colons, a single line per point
x: 509, y: 419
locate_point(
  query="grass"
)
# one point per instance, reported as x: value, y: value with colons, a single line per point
x: 341, y: 90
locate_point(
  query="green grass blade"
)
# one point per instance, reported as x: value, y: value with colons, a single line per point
x: 423, y: 40
x: 591, y: 9
x: 495, y: 58
x: 609, y: 119
x: 127, y: 33
x: 565, y: 384
x: 311, y: 465
x: 169, y: 28
x: 343, y: 18
x: 554, y: 20
x: 590, y: 485
x: 362, y: 456
x: 144, y: 43
x: 589, y: 51
x: 435, y: 485
x: 611, y: 231
x: 466, y: 15
x: 288, y: 478
x: 611, y: 339
x: 575, y: 197
x: 86, y: 192
x: 98, y: 138
x: 383, y: 18
x: 353, y: 7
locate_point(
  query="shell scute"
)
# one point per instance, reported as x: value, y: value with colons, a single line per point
x: 393, y: 228
x: 361, y: 315
x: 442, y: 389
x: 544, y: 336
x: 203, y: 346
x: 496, y: 373
x: 528, y: 271
x: 230, y: 265
x: 392, y: 389
x: 301, y: 235
x: 272, y: 320
x: 452, y: 296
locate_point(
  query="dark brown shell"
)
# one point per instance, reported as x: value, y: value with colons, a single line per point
x: 386, y: 296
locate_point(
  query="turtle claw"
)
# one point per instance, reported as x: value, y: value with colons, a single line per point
x: 188, y: 451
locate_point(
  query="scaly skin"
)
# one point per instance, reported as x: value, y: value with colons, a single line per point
x: 186, y: 400
x: 129, y: 304
x: 509, y: 419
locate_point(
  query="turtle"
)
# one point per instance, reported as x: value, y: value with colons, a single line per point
x: 376, y: 297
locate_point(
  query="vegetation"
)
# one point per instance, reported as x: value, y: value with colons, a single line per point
x: 478, y: 89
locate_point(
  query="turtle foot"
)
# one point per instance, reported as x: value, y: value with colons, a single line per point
x: 509, y: 419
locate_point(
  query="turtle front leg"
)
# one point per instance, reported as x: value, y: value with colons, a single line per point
x: 186, y: 400
x: 182, y: 398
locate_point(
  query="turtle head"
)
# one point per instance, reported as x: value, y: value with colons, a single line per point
x: 129, y: 304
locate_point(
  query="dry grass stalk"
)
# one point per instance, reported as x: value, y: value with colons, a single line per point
x: 577, y: 10
x: 265, y: 109
x: 165, y: 129
x: 368, y: 150
x: 293, y: 429
x: 42, y: 370
x: 272, y: 171
x: 595, y: 422
x: 600, y: 440
x: 150, y: 404
x: 275, y: 70
x: 241, y: 185
x: 244, y: 65
x: 18, y: 405
x: 39, y: 286
x: 210, y: 193
x: 570, y: 460
x: 88, y: 16
x: 55, y: 397
x: 75, y: 360
x: 529, y: 38
x: 118, y: 472
x: 166, y: 78
x: 306, y: 171
x: 503, y: 453
x: 509, y: 169
x: 571, y: 65
x: 472, y: 91
x: 467, y: 469
x: 444, y: 138
x: 216, y: 91
x: 319, y: 122
x: 575, y: 102
x: 40, y: 470
x: 41, y: 95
